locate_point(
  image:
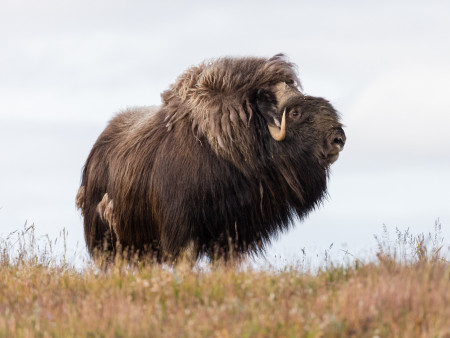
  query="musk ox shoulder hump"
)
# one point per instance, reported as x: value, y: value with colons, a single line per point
x: 216, y: 96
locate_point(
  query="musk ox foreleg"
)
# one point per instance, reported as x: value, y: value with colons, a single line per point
x: 189, y: 254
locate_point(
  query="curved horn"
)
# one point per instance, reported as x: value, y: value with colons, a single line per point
x: 279, y: 134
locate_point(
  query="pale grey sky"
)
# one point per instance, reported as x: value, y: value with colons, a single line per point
x: 67, y: 66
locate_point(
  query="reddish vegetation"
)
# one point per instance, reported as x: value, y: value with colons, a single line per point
x: 387, y: 298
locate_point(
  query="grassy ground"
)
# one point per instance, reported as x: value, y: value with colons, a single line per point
x: 401, y: 293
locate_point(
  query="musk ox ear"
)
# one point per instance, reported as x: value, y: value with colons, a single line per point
x: 266, y: 103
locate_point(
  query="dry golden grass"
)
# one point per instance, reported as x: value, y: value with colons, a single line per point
x: 391, y: 296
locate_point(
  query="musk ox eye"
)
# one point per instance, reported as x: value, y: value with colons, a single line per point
x: 295, y: 113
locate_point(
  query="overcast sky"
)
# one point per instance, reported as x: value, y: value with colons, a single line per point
x: 67, y: 66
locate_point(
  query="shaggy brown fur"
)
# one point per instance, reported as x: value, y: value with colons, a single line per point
x: 202, y: 172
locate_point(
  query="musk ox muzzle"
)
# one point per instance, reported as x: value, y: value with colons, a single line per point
x: 336, y: 142
x: 234, y: 154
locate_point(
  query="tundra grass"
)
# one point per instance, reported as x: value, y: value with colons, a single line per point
x: 388, y: 296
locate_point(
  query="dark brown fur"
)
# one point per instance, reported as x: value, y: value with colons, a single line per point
x: 202, y: 172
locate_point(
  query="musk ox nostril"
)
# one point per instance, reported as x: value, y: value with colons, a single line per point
x: 339, y: 137
x: 339, y: 141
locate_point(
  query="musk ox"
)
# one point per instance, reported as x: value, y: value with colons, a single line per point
x: 234, y: 153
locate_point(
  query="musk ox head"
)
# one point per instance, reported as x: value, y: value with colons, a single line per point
x: 235, y: 152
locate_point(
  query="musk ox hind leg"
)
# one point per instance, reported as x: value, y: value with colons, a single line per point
x: 115, y: 245
x: 105, y: 210
x: 80, y: 199
x: 99, y: 235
